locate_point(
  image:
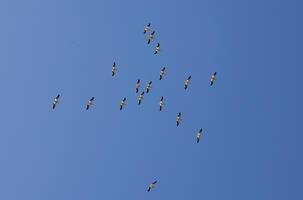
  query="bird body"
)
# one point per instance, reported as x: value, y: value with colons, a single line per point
x: 123, y: 103
x: 114, y: 69
x: 141, y: 97
x: 157, y: 50
x: 199, y: 134
x: 152, y: 186
x: 137, y: 85
x: 161, y: 103
x: 56, y: 101
x: 213, y: 78
x: 90, y: 103
x: 151, y: 37
x: 162, y: 73
x: 147, y: 28
x: 148, y: 87
x: 187, y: 82
x: 178, y: 119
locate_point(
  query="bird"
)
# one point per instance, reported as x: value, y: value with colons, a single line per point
x: 137, y: 85
x: 162, y: 73
x: 114, y: 69
x: 157, y: 50
x: 178, y: 119
x: 147, y: 28
x: 161, y: 103
x: 186, y: 82
x: 90, y: 103
x: 141, y: 97
x: 123, y: 103
x: 152, y: 186
x: 148, y: 87
x: 56, y: 101
x: 199, y: 134
x: 213, y: 78
x: 151, y: 37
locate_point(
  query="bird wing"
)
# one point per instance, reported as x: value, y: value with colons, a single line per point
x: 87, y: 106
x: 155, y: 182
x: 92, y: 98
x: 54, y: 105
x: 58, y: 96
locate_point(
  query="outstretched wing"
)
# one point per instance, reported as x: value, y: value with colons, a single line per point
x: 93, y: 98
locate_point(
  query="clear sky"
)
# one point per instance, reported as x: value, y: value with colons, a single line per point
x: 252, y: 117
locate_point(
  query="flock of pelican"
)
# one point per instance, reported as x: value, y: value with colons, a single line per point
x: 150, y: 38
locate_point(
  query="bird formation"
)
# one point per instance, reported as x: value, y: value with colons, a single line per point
x: 150, y: 38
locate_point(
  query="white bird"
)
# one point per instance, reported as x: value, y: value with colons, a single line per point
x: 148, y: 87
x: 199, y: 134
x: 178, y: 119
x: 147, y: 28
x: 141, y: 97
x: 123, y: 103
x: 151, y: 37
x: 114, y: 69
x: 56, y: 101
x: 161, y: 103
x: 186, y: 82
x: 152, y: 186
x: 137, y: 85
x: 157, y: 50
x: 90, y: 103
x: 162, y: 73
x: 213, y: 78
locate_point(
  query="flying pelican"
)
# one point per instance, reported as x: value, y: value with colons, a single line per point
x: 147, y: 28
x: 161, y: 103
x: 56, y: 101
x: 123, y: 102
x: 148, y: 87
x: 157, y: 50
x: 213, y: 78
x: 90, y: 103
x: 137, y: 85
x: 162, y: 73
x: 199, y: 134
x: 114, y: 69
x: 178, y: 119
x: 151, y: 37
x: 186, y: 82
x: 152, y: 186
x: 141, y: 97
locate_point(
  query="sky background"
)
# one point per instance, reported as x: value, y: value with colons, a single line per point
x: 251, y: 146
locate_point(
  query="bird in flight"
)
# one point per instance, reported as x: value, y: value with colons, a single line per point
x: 162, y: 73
x: 90, y: 103
x: 141, y: 97
x: 147, y: 28
x: 152, y: 186
x: 213, y: 78
x: 56, y: 101
x: 186, y: 82
x: 178, y: 119
x: 123, y: 103
x: 157, y: 50
x: 151, y: 37
x: 137, y: 85
x: 148, y: 87
x: 114, y: 69
x: 199, y: 134
x: 161, y: 103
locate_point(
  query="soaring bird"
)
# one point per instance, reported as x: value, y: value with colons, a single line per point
x: 148, y: 87
x: 162, y: 73
x: 157, y: 50
x: 213, y: 78
x: 152, y: 186
x: 114, y: 69
x: 122, y: 104
x: 137, y: 85
x: 186, y: 82
x: 151, y: 37
x: 161, y: 103
x: 56, y: 101
x: 90, y: 103
x: 178, y: 119
x: 199, y: 134
x: 141, y: 97
x: 147, y: 28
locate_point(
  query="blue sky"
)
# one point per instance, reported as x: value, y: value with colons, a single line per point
x: 252, y: 142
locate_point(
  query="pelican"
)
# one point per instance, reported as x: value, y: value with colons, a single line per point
x: 186, y: 82
x: 90, y: 103
x: 199, y: 134
x: 162, y: 73
x: 161, y: 103
x: 157, y: 50
x: 152, y: 186
x: 123, y: 102
x: 141, y: 97
x: 137, y: 85
x: 56, y: 101
x: 148, y: 87
x: 151, y: 37
x: 114, y: 69
x: 147, y: 28
x: 178, y: 119
x: 213, y: 78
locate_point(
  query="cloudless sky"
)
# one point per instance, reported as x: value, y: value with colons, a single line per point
x: 251, y: 146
